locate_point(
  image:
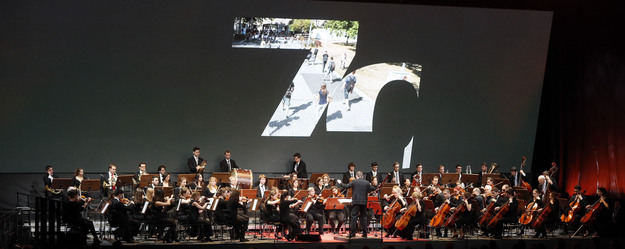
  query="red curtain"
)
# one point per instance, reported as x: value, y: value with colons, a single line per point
x: 593, y: 127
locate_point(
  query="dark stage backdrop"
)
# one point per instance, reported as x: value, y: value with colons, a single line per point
x: 85, y: 84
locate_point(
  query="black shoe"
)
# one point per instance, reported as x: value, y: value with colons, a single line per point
x: 243, y: 239
x: 364, y: 236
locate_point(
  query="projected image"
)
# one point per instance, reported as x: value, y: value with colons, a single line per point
x: 331, y: 46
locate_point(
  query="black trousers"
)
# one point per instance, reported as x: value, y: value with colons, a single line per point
x: 359, y: 214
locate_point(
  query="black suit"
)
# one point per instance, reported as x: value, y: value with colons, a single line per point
x: 369, y: 177
x: 512, y: 179
x: 193, y: 164
x: 223, y: 165
x: 399, y: 181
x: 301, y: 169
x: 119, y: 218
x: 347, y: 175
x: 360, y: 190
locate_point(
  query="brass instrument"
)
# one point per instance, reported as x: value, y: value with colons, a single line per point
x: 53, y: 191
x: 493, y: 167
x: 111, y: 183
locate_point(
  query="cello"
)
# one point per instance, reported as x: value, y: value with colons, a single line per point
x: 527, y: 217
x: 437, y: 220
x: 502, y: 211
x: 456, y: 215
x: 542, y: 217
x: 402, y: 222
x: 592, y: 211
x: 389, y: 216
x: 490, y: 211
x: 575, y: 207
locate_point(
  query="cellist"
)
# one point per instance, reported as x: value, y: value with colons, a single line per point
x: 552, y: 204
x: 509, y: 216
x: 602, y: 215
x: 576, y: 214
x: 396, y: 198
x: 417, y: 218
x: 440, y: 201
x: 531, y: 210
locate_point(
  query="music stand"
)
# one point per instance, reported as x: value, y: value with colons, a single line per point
x: 61, y: 183
x: 469, y: 179
x: 249, y: 193
x: 167, y: 190
x: 326, y: 192
x: 334, y: 204
x: 300, y: 194
x: 146, y: 180
x: 427, y: 178
x: 314, y: 176
x: 449, y: 178
x: 486, y: 176
x: 190, y: 178
x: 385, y: 190
x: 124, y: 180
x: 222, y: 177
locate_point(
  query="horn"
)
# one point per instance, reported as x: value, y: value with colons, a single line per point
x: 493, y: 166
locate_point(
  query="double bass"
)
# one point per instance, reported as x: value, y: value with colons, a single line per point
x: 524, y: 184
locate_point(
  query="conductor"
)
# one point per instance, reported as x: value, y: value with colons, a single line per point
x: 360, y: 189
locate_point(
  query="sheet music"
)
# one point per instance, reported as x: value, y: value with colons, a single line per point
x: 254, y: 204
x: 308, y: 204
x: 145, y: 207
x: 106, y: 206
x: 343, y: 201
x: 210, y: 203
x: 214, y: 207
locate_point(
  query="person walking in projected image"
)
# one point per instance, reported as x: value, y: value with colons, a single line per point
x: 323, y: 98
x: 348, y: 87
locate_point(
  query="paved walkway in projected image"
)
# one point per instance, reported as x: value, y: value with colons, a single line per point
x: 304, y: 113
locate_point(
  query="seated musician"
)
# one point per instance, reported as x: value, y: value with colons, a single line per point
x: 211, y: 188
x: 198, y: 183
x: 72, y: 210
x: 577, y: 213
x: 538, y: 206
x: 315, y: 211
x: 270, y: 206
x: 600, y: 225
x: 294, y: 188
x: 374, y: 183
x: 160, y: 206
x: 262, y: 186
x: 510, y: 216
x: 470, y: 215
x: 182, y: 185
x: 239, y: 220
x: 166, y: 183
x: 118, y: 211
x: 319, y: 186
x: 290, y: 179
x: 139, y: 201
x: 326, y: 181
x: 396, y: 198
x: 417, y: 218
x: 48, y: 178
x: 287, y: 217
x: 489, y: 182
x: 197, y: 212
x: 234, y: 185
x: 438, y: 203
x: 406, y: 188
x: 336, y: 218
x: 477, y: 193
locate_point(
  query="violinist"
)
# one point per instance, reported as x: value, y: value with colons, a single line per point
x: 159, y: 215
x: 291, y: 178
x: 406, y: 187
x: 489, y: 182
x: 197, y: 215
x: 336, y: 215
x: 509, y: 216
x: 315, y: 211
x: 72, y: 210
x: 198, y: 183
x: 288, y: 218
x: 211, y: 188
x: 139, y: 201
x: 271, y: 211
x: 240, y: 220
x: 432, y: 188
x: 319, y: 187
x: 294, y: 188
x: 119, y: 217
x: 396, y: 198
x: 166, y: 183
x: 234, y: 185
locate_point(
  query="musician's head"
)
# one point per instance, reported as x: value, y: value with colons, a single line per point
x: 196, y: 196
x: 233, y: 180
x: 212, y: 181
x: 441, y: 169
x: 274, y: 193
x: 112, y: 168
x: 374, y: 166
x: 293, y: 177
x: 196, y: 151
x: 484, y: 168
x: 155, y: 180
x: 458, y: 169
x: 295, y: 184
x: 446, y: 193
x: 335, y: 190
x: 162, y: 169
x: 419, y: 167
x: 374, y: 181
x: 435, y: 180
x: 120, y: 193
x: 185, y: 192
x: 183, y: 181
x: 513, y: 171
x: 49, y: 169
x: 79, y: 172
x: 138, y: 197
x: 477, y: 191
x: 535, y: 193
x: 416, y: 194
x: 311, y: 191
x: 199, y: 177
x: 467, y: 195
x: 297, y: 157
x: 541, y: 179
x: 488, y: 189
x: 72, y: 194
x: 149, y: 194
x: 396, y: 190
x: 351, y: 166
x: 407, y: 182
x: 489, y: 181
x: 601, y: 191
x: 262, y: 179
x: 326, y: 178
x: 167, y: 177
x: 577, y: 189
x: 396, y: 166
x: 159, y: 194
x: 505, y: 187
x: 142, y: 166
x: 283, y: 195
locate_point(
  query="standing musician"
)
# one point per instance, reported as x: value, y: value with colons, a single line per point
x: 396, y: 176
x: 315, y: 211
x: 544, y: 184
x: 417, y: 176
x: 484, y: 170
x: 441, y: 171
x: 374, y: 173
x: 159, y: 215
x: 335, y: 216
x: 195, y: 163
x: 240, y: 220
x: 458, y: 182
x: 509, y: 216
x: 227, y: 164
x: 299, y: 166
x: 197, y: 213
x: 516, y: 177
x: 350, y: 172
x: 142, y: 171
x: 161, y: 173
x: 48, y: 178
x: 360, y: 189
x: 287, y: 217
x: 119, y: 217
x: 211, y: 188
x: 72, y: 210
x: 109, y: 181
x: 262, y: 186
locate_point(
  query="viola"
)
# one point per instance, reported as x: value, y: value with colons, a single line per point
x: 402, y: 222
x: 490, y: 211
x: 527, y: 217
x: 439, y: 218
x: 502, y: 211
x: 592, y: 212
x: 389, y: 216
